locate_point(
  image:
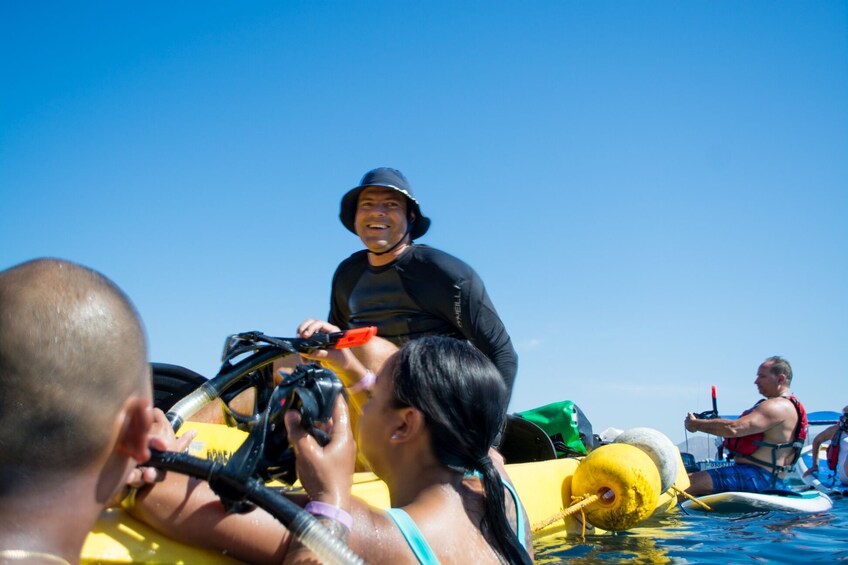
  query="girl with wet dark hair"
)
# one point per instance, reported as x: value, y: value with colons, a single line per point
x: 426, y: 430
x: 463, y: 399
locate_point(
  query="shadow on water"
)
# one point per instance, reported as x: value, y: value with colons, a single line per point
x: 770, y: 537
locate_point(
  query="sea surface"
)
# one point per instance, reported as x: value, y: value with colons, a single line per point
x: 678, y: 537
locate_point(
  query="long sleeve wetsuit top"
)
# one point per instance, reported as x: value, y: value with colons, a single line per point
x: 424, y: 292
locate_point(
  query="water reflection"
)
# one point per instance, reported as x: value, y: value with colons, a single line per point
x: 639, y: 545
x: 770, y: 537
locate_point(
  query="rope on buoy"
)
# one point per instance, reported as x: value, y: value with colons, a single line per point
x: 626, y: 478
x: 580, y: 505
x: 685, y: 494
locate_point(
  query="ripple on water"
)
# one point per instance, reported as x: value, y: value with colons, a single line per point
x: 714, y: 539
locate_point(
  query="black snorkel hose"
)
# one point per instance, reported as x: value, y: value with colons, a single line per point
x: 214, y: 387
x: 302, y: 525
x: 262, y: 351
x: 241, y: 482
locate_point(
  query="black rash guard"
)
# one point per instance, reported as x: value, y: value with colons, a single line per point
x: 424, y: 292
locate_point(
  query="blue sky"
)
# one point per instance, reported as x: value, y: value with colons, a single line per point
x: 655, y: 193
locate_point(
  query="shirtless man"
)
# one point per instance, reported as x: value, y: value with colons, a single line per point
x: 75, y: 406
x: 764, y: 441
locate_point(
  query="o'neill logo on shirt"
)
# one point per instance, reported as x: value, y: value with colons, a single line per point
x: 457, y: 305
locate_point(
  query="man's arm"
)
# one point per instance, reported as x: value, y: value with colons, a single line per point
x: 480, y: 323
x: 449, y: 288
x: 764, y: 417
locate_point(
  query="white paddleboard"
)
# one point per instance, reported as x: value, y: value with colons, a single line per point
x: 805, y: 502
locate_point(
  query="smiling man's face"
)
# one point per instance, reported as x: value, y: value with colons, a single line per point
x: 380, y: 218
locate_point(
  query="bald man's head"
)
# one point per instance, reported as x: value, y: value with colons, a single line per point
x: 72, y: 351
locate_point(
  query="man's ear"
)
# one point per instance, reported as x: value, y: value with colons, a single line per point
x: 409, y: 424
x: 136, y: 420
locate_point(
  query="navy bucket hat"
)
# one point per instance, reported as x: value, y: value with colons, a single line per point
x: 389, y: 178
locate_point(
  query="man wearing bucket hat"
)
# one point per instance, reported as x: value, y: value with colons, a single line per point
x: 406, y: 289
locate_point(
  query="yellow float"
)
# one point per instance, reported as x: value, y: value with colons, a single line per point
x: 625, y: 481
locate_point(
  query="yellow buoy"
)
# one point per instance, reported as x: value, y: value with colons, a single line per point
x: 659, y: 448
x: 626, y: 480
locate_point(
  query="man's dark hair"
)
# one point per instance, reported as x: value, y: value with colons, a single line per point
x: 779, y: 365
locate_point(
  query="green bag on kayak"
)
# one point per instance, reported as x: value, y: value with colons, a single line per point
x: 566, y: 425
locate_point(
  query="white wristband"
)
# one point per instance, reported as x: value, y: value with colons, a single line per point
x: 365, y: 383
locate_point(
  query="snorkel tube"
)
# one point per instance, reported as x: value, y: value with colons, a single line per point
x: 233, y: 378
x: 265, y: 455
x: 253, y: 491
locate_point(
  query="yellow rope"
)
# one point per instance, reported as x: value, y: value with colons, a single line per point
x: 583, y: 523
x: 583, y: 502
x: 692, y: 498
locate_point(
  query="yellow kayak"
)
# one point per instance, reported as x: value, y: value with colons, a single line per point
x: 613, y: 487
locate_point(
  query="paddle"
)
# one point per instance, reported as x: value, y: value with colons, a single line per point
x: 715, y: 410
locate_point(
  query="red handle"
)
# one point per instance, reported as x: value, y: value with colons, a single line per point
x: 355, y: 337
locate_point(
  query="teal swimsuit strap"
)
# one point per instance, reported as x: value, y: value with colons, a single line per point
x: 519, y: 515
x: 419, y: 546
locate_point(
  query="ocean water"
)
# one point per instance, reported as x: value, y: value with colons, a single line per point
x: 772, y: 537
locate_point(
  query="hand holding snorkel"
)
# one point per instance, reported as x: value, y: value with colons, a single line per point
x: 325, y: 468
x: 161, y: 438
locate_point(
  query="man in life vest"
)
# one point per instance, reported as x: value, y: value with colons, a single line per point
x: 764, y: 441
x: 837, y: 450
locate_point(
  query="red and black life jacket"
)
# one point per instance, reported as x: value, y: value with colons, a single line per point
x: 747, y: 445
x: 833, y: 450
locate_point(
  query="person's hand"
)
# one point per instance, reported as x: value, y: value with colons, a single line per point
x: 340, y: 361
x: 325, y: 472
x: 330, y: 357
x: 689, y: 422
x: 310, y: 326
x: 813, y: 471
x: 162, y: 438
